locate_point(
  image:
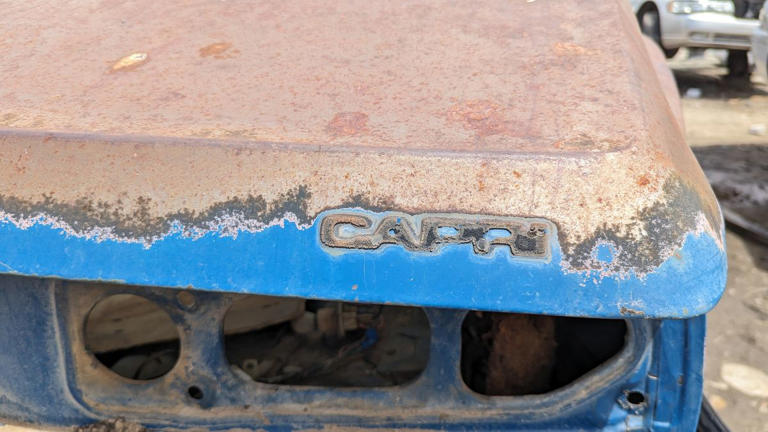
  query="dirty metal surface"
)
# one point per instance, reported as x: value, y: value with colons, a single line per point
x: 55, y: 382
x: 200, y: 144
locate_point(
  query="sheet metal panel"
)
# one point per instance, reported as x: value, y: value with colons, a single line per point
x: 201, y: 145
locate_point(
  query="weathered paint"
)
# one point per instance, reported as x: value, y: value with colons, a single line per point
x: 54, y: 225
x: 99, y: 195
x: 167, y: 134
x: 290, y: 260
x: 201, y: 145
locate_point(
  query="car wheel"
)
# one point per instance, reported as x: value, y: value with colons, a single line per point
x: 669, y: 53
x: 650, y: 25
x: 709, y: 421
x: 738, y: 64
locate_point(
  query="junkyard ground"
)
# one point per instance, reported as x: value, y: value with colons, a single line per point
x: 731, y: 112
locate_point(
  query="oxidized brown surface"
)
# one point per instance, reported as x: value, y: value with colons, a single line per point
x: 522, y: 355
x: 118, y: 119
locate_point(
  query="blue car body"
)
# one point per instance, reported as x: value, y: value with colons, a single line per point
x: 520, y: 157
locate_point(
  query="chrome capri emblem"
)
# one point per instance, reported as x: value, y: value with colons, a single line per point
x: 429, y: 232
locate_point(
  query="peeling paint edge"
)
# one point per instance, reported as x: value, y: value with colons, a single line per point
x: 597, y: 269
x: 227, y: 226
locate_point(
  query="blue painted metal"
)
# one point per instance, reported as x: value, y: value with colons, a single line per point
x: 42, y: 383
x: 290, y: 261
x: 486, y: 116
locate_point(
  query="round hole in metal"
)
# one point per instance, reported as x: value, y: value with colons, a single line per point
x: 132, y: 336
x: 635, y: 398
x: 195, y: 392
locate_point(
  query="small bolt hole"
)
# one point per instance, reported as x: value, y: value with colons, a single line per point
x: 186, y: 299
x: 195, y: 392
x: 635, y: 398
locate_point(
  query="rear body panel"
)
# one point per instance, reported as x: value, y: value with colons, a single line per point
x: 519, y: 157
x: 292, y: 261
x: 56, y: 384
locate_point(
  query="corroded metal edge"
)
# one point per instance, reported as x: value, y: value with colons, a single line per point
x: 633, y: 188
x: 102, y: 220
x: 653, y: 235
x: 136, y: 191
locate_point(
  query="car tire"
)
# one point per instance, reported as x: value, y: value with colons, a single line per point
x: 738, y: 64
x: 709, y: 421
x: 650, y: 25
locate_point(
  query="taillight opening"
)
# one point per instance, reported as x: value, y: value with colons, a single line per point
x: 507, y: 354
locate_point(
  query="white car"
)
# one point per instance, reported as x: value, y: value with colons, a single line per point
x: 697, y: 23
x: 760, y: 45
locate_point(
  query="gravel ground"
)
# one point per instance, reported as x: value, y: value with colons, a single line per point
x: 732, y: 113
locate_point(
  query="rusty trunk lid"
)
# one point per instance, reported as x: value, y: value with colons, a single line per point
x: 206, y: 145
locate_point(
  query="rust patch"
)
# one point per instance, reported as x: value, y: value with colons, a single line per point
x: 348, y: 124
x: 360, y: 201
x: 643, y: 181
x: 130, y: 62
x: 484, y: 117
x: 218, y: 50
x: 584, y: 142
x: 630, y: 312
x: 653, y: 235
x: 85, y: 216
x: 522, y: 356
x: 571, y: 49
